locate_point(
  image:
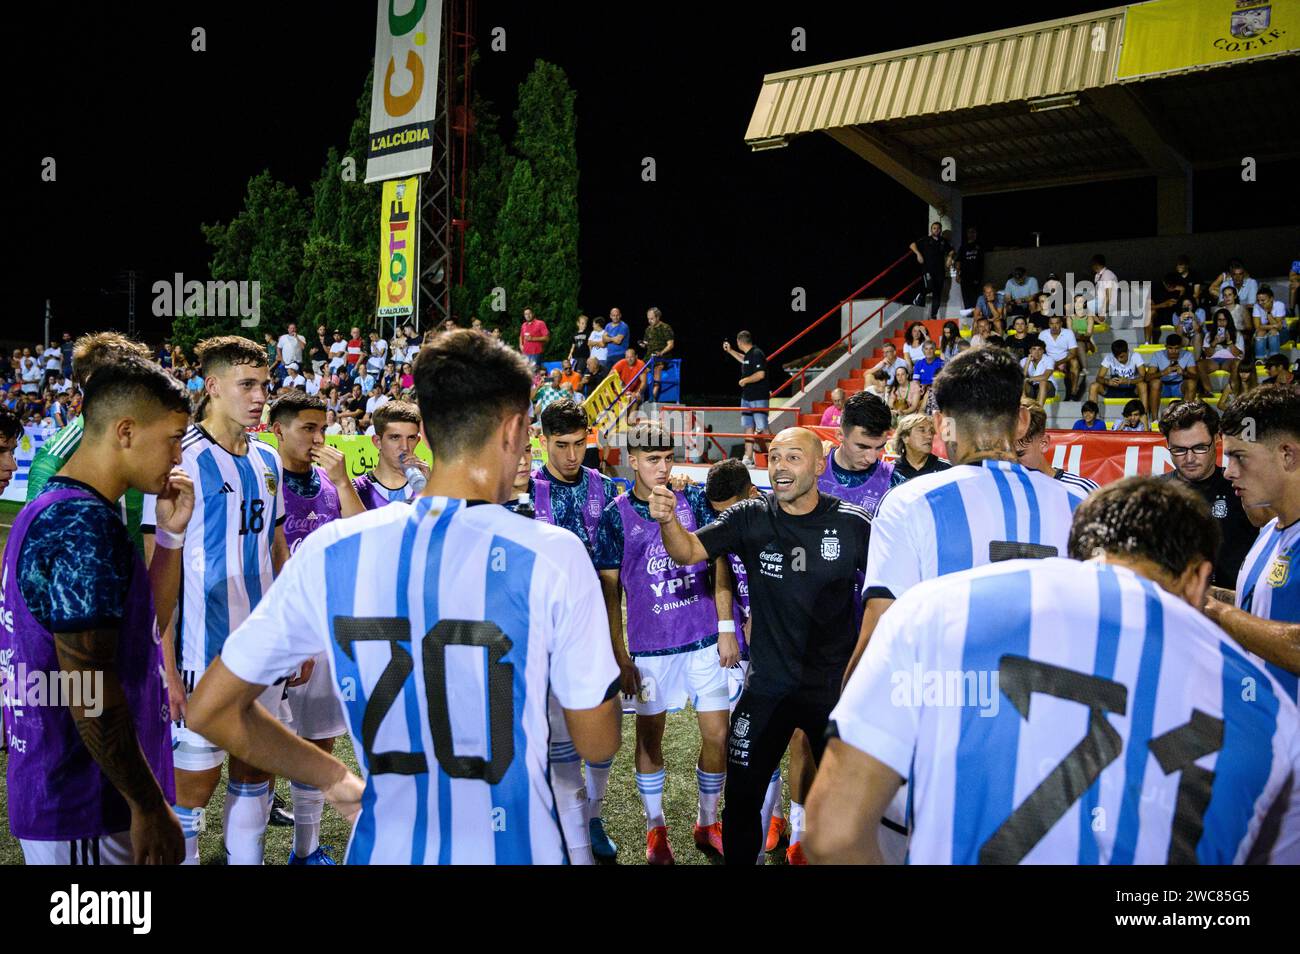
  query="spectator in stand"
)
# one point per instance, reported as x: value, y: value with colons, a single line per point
x: 31, y: 372
x: 878, y: 381
x: 593, y: 376
x: 355, y: 351
x: 53, y: 361
x: 1189, y: 320
x: 354, y: 405
x: 549, y: 392
x: 62, y: 384
x: 533, y: 336
x: 579, y: 350
x: 475, y: 323
x: 1162, y: 306
x: 990, y: 305
x: 378, y: 355
x: 1238, y: 279
x: 949, y: 338
x: 348, y: 427
x: 1246, y: 380
x: 374, y: 401
x: 1172, y: 376
x: 970, y: 268
x: 338, y: 352
x: 1107, y: 285
x: 1188, y: 278
x: 366, y: 381
x: 1033, y: 446
x: 318, y: 351
x: 913, y: 445
x: 889, y: 360
x: 755, y: 389
x: 332, y: 425
x: 1037, y: 315
x: 54, y: 409
x: 195, y: 382
x: 65, y: 349
x: 1017, y: 292
x: 618, y: 336
x: 569, y: 378
x: 904, y: 395
x: 1019, y: 340
x: 1082, y: 323
x: 923, y: 371
x: 597, y: 347
x: 1222, y: 349
x: 628, y: 367
x: 831, y: 416
x: 1091, y: 420
x: 1052, y: 296
x: 1279, y: 370
x: 1135, y: 417
x: 932, y: 254
x: 407, y: 378
x: 1269, y: 319
x: 914, y: 338
x: 388, y: 377
x: 1062, y: 349
x: 312, y: 387
x: 1190, y: 430
x: 290, y: 348
x: 1120, y: 374
x: 293, y: 377
x: 1240, y: 316
x: 983, y: 332
x: 1038, y: 368
x: 658, y: 344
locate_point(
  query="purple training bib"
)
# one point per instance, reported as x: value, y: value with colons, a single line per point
x: 866, y: 494
x: 591, y: 509
x: 302, y: 515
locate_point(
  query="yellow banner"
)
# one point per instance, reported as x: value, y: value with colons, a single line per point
x: 399, y: 216
x: 360, y: 452
x: 1169, y: 35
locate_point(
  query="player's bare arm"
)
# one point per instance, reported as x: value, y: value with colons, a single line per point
x: 613, y: 593
x: 680, y: 544
x: 723, y: 599
x: 595, y: 732
x: 870, y: 619
x: 224, y: 710
x: 1272, y: 640
x: 109, y: 737
x: 845, y: 805
x: 279, y: 550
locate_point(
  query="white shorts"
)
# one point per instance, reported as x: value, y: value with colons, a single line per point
x: 114, y: 849
x: 193, y: 753
x: 316, y: 710
x: 669, y: 682
x: 736, y: 677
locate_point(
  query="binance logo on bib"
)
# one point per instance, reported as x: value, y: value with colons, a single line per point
x: 1280, y: 571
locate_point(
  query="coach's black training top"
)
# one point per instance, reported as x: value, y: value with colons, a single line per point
x: 803, y: 576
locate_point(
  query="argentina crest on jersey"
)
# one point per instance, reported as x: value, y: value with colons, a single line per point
x: 1280, y: 571
x: 830, y: 544
x: 269, y: 477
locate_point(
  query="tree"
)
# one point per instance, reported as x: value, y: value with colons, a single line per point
x: 262, y: 244
x: 489, y: 181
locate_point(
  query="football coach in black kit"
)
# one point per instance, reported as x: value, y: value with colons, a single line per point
x: 803, y: 553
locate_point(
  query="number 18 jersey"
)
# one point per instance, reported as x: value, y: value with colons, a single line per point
x: 1057, y: 712
x: 226, y: 568
x: 443, y: 624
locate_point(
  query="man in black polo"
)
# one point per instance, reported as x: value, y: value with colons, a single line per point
x: 803, y: 552
x: 970, y: 259
x: 932, y: 254
x: 1190, y: 429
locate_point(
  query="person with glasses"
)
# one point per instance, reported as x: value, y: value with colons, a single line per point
x: 1190, y: 429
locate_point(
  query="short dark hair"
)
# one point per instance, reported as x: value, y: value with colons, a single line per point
x: 744, y: 337
x: 91, y: 352
x: 229, y: 351
x: 395, y: 412
x: 1276, y: 361
x: 10, y: 426
x: 293, y: 402
x: 1265, y: 290
x: 1273, y: 409
x: 867, y: 412
x: 1089, y: 406
x: 649, y: 435
x: 1134, y: 407
x: 983, y: 383
x: 1187, y: 414
x: 1118, y: 347
x: 1174, y: 339
x: 1157, y: 520
x: 1037, y: 418
x: 466, y: 382
x: 563, y: 416
x: 133, y: 383
x: 1098, y: 259
x: 726, y: 480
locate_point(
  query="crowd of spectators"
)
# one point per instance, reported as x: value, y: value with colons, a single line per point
x: 36, y: 384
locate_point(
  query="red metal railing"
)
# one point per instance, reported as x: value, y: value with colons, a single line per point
x: 801, y: 374
x: 843, y: 301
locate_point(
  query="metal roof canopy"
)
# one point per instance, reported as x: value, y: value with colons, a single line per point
x: 1036, y: 106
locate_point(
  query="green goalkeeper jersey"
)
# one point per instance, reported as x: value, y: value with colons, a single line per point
x: 137, y: 509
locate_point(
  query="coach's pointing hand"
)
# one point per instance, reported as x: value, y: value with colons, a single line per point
x: 663, y: 504
x: 175, y: 503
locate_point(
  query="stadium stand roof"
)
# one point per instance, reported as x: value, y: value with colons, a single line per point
x: 1059, y: 102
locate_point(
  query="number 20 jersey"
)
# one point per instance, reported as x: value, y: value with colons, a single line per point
x: 1057, y: 712
x: 443, y: 624
x: 226, y: 568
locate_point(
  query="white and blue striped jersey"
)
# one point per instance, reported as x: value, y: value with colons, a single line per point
x: 964, y: 517
x: 1057, y: 712
x: 1267, y: 588
x: 444, y: 624
x: 226, y: 568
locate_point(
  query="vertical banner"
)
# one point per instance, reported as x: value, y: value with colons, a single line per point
x: 399, y: 262
x: 404, y: 99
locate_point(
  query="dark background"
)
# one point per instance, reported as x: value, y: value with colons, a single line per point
x: 152, y: 139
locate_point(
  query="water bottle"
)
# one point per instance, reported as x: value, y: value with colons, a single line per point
x: 415, y: 477
x: 524, y: 507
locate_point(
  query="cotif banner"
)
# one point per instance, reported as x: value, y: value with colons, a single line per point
x: 1169, y: 35
x: 398, y: 251
x: 404, y: 98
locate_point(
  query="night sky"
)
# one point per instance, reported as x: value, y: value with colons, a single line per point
x: 152, y: 139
